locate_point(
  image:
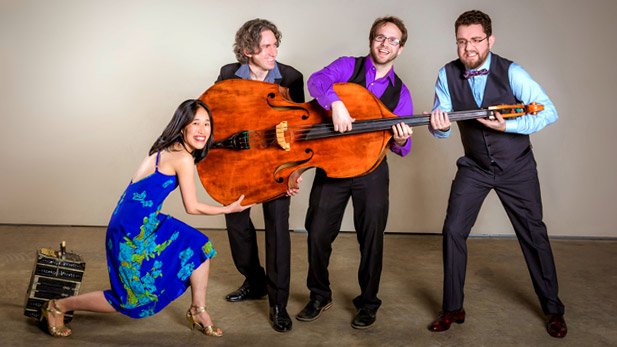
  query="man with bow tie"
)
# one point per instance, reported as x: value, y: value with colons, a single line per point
x: 497, y: 156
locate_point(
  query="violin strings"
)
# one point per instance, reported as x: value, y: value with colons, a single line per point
x: 317, y: 131
x: 267, y: 137
x: 297, y: 133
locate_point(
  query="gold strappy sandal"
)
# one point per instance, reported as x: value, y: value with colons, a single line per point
x: 210, y: 330
x: 61, y: 331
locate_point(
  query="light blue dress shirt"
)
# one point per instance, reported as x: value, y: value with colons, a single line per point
x: 245, y: 73
x: 523, y: 87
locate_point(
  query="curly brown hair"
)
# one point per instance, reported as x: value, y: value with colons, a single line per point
x: 248, y: 38
x: 389, y: 19
x: 474, y: 17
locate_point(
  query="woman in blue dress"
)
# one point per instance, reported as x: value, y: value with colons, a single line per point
x: 152, y: 258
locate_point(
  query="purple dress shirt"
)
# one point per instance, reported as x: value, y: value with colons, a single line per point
x: 340, y: 71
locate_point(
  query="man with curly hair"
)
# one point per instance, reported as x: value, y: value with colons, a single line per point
x: 256, y: 48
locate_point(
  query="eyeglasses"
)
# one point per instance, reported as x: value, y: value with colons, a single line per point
x: 474, y: 41
x: 391, y: 40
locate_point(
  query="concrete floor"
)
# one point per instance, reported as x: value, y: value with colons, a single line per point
x: 501, y: 306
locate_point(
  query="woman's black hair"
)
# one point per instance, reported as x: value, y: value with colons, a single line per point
x: 173, y: 132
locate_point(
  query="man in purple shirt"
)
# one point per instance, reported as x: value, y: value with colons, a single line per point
x: 369, y: 193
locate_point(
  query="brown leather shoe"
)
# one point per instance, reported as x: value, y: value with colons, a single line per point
x: 556, y: 325
x: 442, y: 323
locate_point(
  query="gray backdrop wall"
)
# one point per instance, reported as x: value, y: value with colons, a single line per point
x: 86, y: 86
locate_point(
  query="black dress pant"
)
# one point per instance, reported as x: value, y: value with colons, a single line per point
x: 329, y: 197
x: 518, y: 190
x: 243, y: 243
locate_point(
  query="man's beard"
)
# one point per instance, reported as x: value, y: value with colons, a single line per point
x: 375, y: 58
x: 476, y: 64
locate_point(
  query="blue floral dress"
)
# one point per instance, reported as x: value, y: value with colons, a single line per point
x: 150, y: 255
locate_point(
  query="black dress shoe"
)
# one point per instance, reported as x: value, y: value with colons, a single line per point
x: 313, y: 310
x: 365, y: 318
x: 556, y: 325
x: 442, y: 323
x: 280, y: 319
x: 245, y: 292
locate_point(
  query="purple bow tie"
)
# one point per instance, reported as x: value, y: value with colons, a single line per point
x: 471, y: 73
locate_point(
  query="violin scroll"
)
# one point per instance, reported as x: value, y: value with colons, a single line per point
x: 534, y: 108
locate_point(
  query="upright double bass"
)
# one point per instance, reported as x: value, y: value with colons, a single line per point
x: 262, y: 138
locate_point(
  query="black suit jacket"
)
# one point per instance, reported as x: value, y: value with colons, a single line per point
x: 292, y: 79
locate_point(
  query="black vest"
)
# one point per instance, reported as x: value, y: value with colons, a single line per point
x: 391, y: 95
x: 484, y: 145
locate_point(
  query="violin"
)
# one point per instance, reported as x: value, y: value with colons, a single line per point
x: 262, y: 139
